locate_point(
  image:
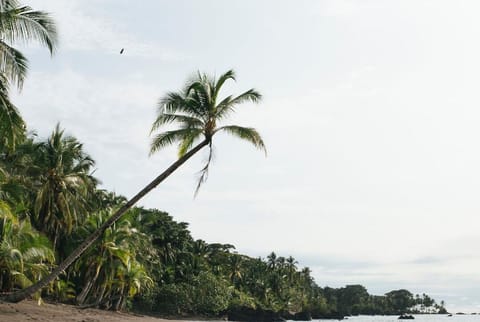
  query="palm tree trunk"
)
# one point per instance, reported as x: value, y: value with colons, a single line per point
x: 83, y: 294
x: 91, y: 281
x: 29, y: 291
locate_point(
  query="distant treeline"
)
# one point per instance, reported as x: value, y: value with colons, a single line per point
x: 50, y: 201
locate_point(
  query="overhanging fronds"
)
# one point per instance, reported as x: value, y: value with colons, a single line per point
x: 12, y: 127
x: 246, y: 133
x: 168, y: 138
x: 23, y: 24
x: 227, y: 105
x: 13, y: 64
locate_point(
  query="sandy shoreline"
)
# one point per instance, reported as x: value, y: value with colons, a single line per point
x: 30, y: 311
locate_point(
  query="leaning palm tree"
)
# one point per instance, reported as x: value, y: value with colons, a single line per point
x: 18, y: 24
x: 196, y: 109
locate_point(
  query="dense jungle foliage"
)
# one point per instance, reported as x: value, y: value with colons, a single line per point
x: 49, y: 202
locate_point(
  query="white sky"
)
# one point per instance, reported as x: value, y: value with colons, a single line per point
x: 370, y: 116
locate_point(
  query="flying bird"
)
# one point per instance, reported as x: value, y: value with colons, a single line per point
x: 121, y: 50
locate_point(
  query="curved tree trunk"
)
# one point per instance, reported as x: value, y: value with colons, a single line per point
x: 29, y: 291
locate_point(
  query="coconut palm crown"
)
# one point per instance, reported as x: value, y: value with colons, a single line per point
x: 18, y: 24
x: 22, y: 24
x: 198, y: 110
x: 65, y: 185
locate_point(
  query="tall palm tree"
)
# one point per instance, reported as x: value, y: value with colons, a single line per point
x: 65, y: 185
x: 18, y: 24
x: 196, y: 109
x: 235, y: 268
x: 169, y: 239
x: 272, y: 261
x: 291, y: 268
x: 25, y: 255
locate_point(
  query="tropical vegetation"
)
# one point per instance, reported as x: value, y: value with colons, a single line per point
x: 197, y: 110
x: 65, y: 239
x: 146, y: 260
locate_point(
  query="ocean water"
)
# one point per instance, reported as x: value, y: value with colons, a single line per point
x: 418, y: 318
x: 394, y: 318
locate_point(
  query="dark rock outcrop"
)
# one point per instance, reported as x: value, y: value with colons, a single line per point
x: 302, y: 316
x: 249, y: 314
x: 406, y: 317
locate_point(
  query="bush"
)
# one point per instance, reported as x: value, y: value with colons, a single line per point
x: 240, y: 299
x: 210, y: 294
x: 205, y: 294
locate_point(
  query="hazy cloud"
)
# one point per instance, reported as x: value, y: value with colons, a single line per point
x: 85, y: 30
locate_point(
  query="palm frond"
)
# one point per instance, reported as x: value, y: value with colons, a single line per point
x: 39, y: 253
x: 201, y: 91
x: 13, y: 64
x: 230, y: 74
x: 246, y: 133
x: 174, y: 103
x: 227, y: 105
x: 251, y: 95
x: 12, y: 126
x: 184, y: 120
x: 204, y: 172
x: 22, y: 23
x: 188, y: 141
x: 165, y: 139
x: 6, y: 213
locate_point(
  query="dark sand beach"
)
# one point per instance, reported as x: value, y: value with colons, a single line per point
x: 31, y: 311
